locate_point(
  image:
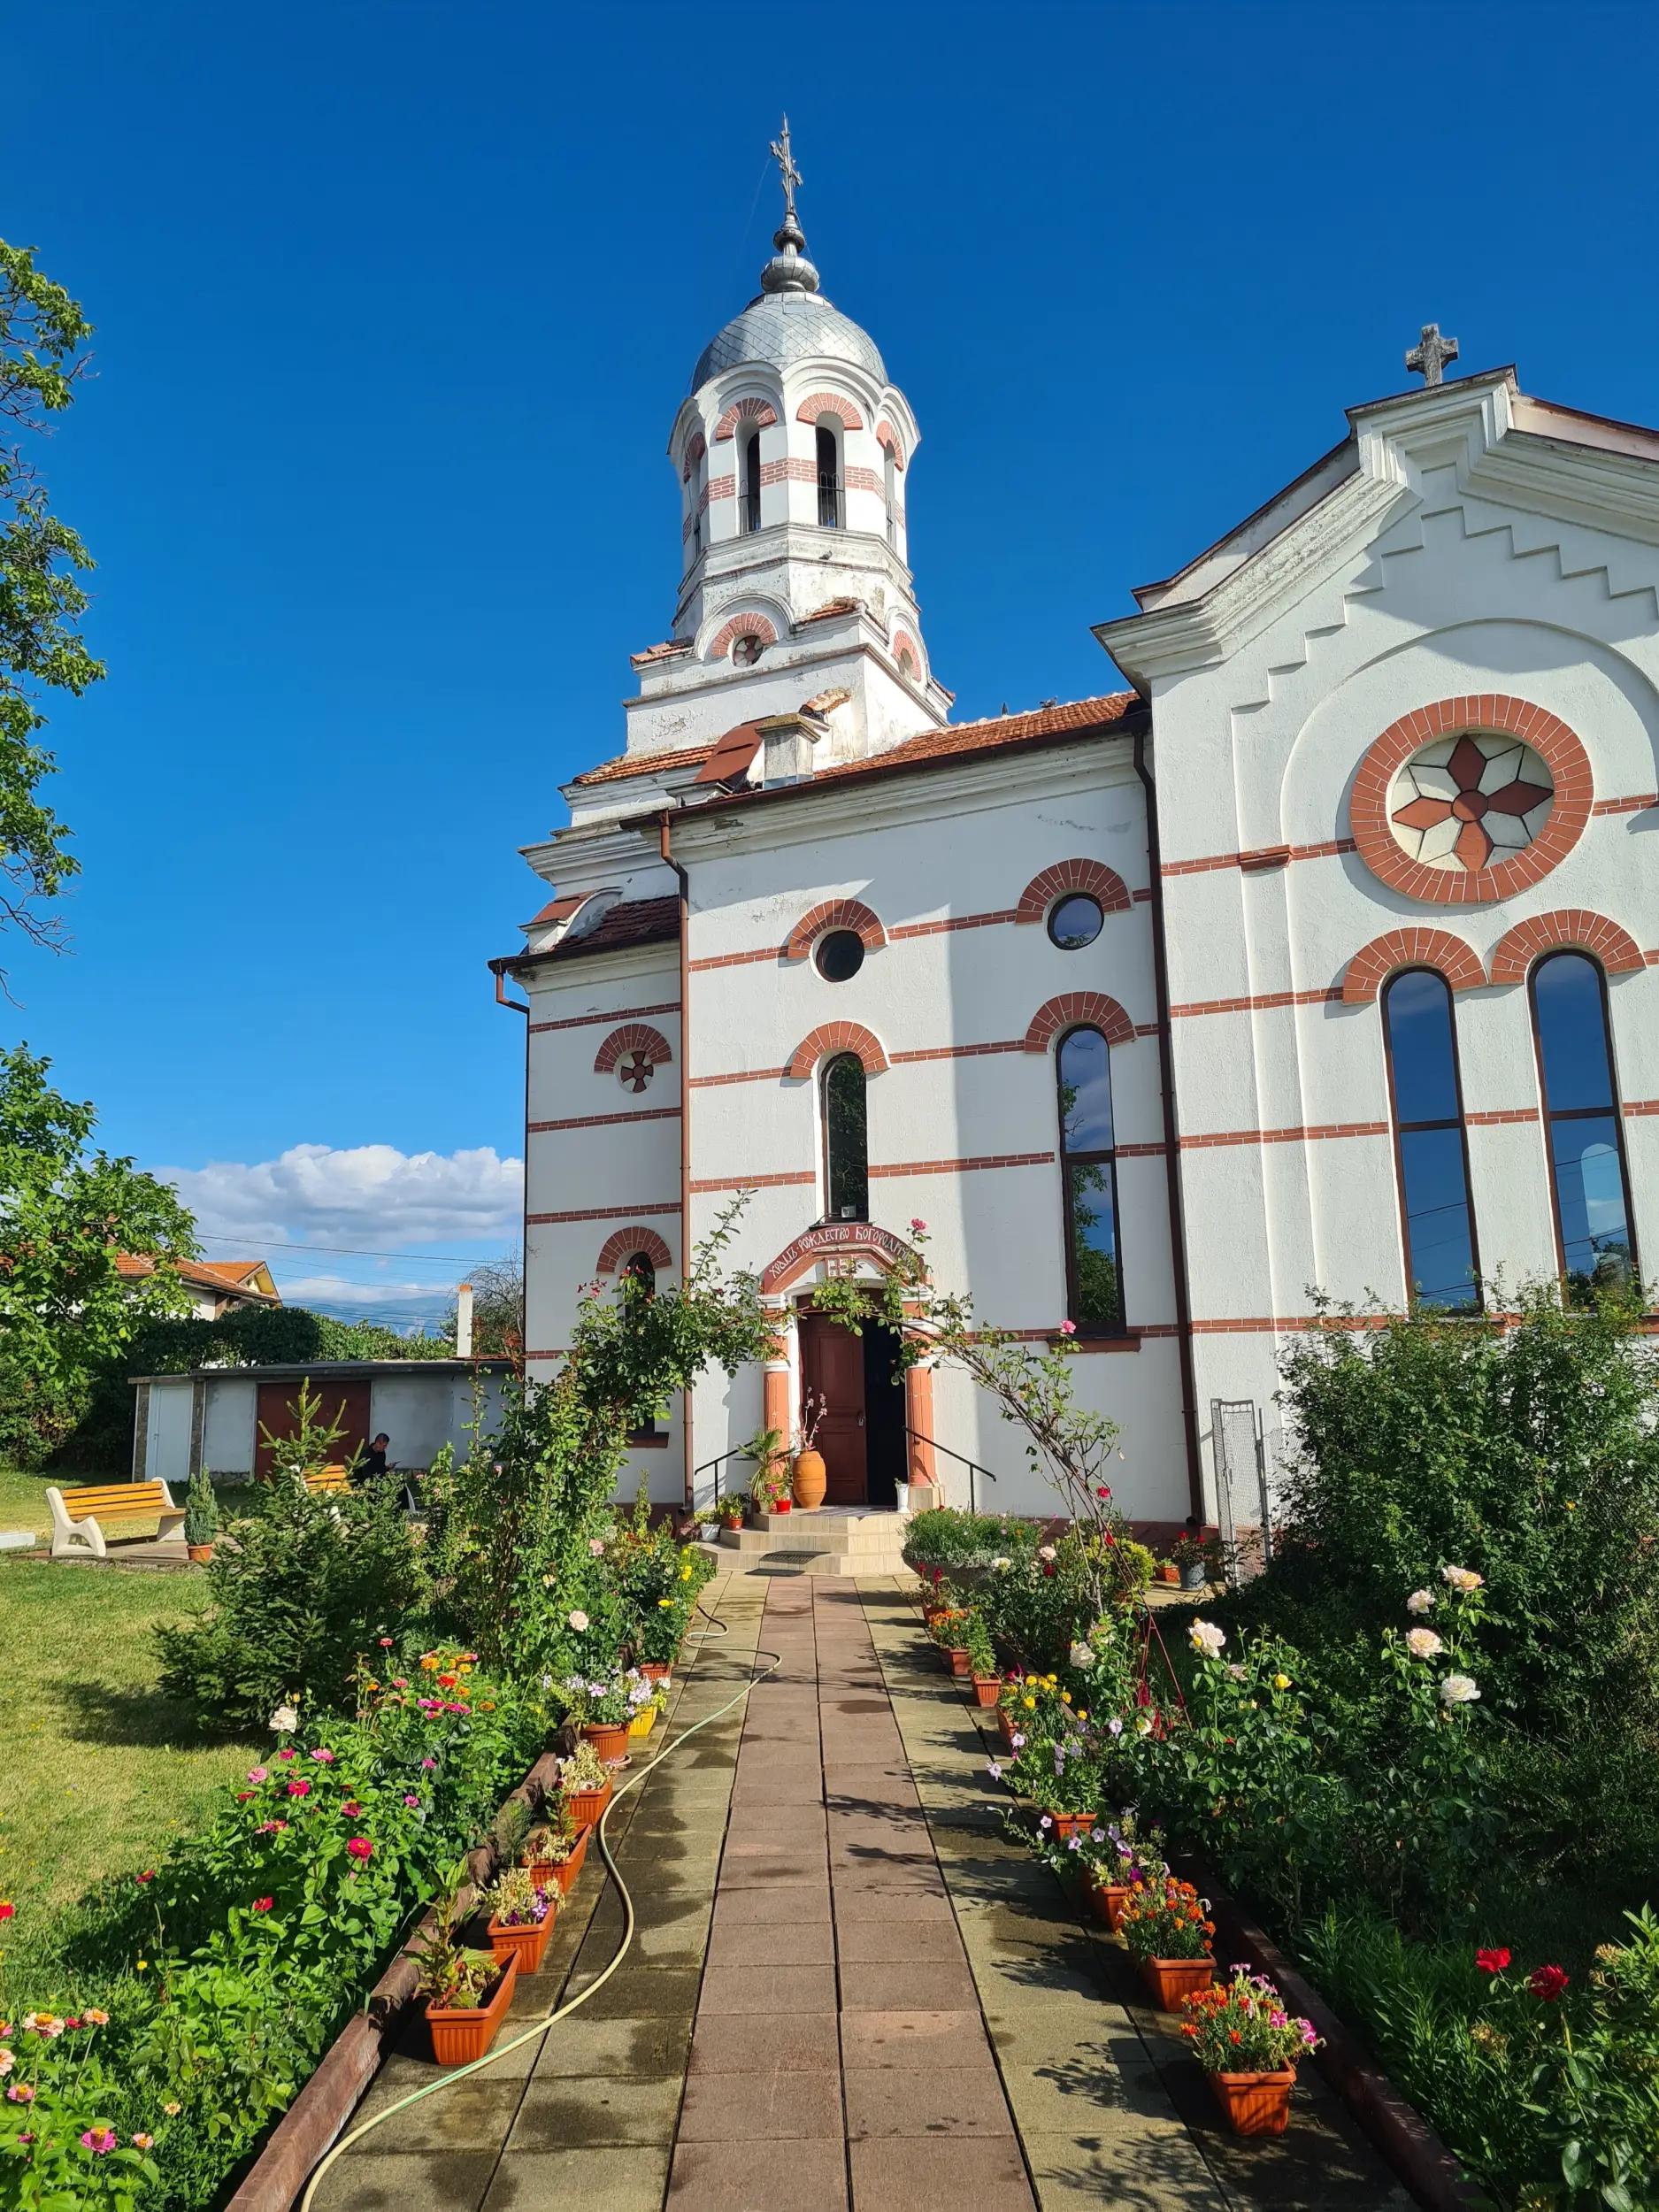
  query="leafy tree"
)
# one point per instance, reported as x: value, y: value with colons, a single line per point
x: 42, y: 334
x: 498, y: 1310
x: 67, y: 1210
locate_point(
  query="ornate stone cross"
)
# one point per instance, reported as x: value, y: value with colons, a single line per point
x: 787, y: 169
x: 1427, y: 358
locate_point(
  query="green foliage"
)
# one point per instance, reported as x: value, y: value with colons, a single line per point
x: 42, y: 334
x: 1529, y: 1453
x: 67, y: 1210
x: 306, y: 1584
x: 976, y: 1641
x: 201, y: 1510
x: 497, y: 1311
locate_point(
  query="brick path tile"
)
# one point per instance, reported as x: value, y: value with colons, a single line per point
x: 769, y: 1988
x: 603, y: 2180
x: 939, y: 2173
x: 964, y: 2101
x: 745, y: 2108
x: 788, y: 2176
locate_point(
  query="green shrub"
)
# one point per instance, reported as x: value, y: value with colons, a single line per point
x: 201, y: 1510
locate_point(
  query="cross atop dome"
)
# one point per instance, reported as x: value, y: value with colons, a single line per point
x: 787, y: 169
x: 788, y: 270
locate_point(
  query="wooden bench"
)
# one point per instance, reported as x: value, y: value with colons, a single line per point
x: 79, y: 1515
x: 320, y: 1480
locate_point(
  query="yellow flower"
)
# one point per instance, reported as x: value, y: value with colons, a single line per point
x: 1572, y: 1505
x: 1031, y: 1704
x: 142, y: 1965
x: 1065, y: 1697
x: 1281, y: 1682
x: 1081, y: 1714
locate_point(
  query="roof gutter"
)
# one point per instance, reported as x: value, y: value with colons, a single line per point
x: 1172, y: 1151
x: 684, y: 882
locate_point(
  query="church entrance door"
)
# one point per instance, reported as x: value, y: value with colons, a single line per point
x: 832, y: 1367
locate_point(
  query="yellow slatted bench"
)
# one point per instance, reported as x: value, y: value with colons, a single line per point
x: 320, y: 1480
x: 79, y: 1515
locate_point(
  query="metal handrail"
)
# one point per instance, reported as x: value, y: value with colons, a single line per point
x: 972, y: 1465
x: 737, y: 1452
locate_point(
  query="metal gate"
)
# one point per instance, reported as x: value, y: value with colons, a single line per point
x: 1243, y: 1506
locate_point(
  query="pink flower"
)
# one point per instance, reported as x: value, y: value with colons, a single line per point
x: 429, y: 1764
x: 360, y: 1848
x: 290, y: 1754
x: 385, y: 1643
x: 324, y: 1758
x: 99, y: 2139
x: 400, y: 1681
x: 596, y: 1546
x: 352, y: 1808
x: 411, y: 1800
x: 149, y: 1874
x: 299, y: 1787
x: 258, y: 1774
x: 918, y: 1223
x: 1102, y: 1490
x: 19, y: 2093
x: 271, y: 1827
x: 1068, y: 1328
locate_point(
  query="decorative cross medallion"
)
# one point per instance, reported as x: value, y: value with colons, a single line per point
x: 635, y: 1071
x: 1428, y: 357
x: 787, y: 169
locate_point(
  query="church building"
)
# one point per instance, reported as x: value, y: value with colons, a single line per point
x: 1311, y: 960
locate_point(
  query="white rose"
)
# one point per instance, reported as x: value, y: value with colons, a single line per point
x: 285, y: 1720
x: 1080, y: 1657
x: 578, y: 1620
x: 1046, y: 1551
x: 1420, y: 1601
x: 1422, y: 1643
x: 1206, y: 1637
x: 1462, y: 1577
x: 1458, y: 1689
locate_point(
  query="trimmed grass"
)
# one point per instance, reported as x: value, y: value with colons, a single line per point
x: 98, y: 1770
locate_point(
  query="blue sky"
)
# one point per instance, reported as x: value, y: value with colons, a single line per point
x: 395, y: 304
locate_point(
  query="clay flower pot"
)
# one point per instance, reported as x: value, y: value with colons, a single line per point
x: 811, y: 1476
x: 1256, y: 2104
x: 586, y: 1805
x: 1169, y: 1574
x: 560, y: 1874
x: 961, y: 1667
x: 1106, y: 1899
x: 1172, y: 1980
x: 198, y: 1554
x: 986, y: 1689
x: 609, y: 1738
x: 1069, y: 1825
x: 1005, y: 1726
x: 656, y: 1670
x: 460, y: 2036
x: 523, y: 1944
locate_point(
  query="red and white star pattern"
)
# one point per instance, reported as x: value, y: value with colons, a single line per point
x: 1463, y: 799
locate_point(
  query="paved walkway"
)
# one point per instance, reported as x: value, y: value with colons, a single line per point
x: 849, y: 1992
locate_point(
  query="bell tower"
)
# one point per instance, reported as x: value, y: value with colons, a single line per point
x: 793, y: 454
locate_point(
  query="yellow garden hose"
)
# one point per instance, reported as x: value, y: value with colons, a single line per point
x: 541, y: 2025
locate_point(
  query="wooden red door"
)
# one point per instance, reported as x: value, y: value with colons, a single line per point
x: 832, y: 1366
x: 346, y: 1402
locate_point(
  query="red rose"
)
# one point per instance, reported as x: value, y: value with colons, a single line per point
x: 1493, y: 1962
x: 263, y: 1904
x: 1547, y: 1982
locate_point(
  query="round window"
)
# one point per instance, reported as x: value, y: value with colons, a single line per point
x: 1464, y: 801
x: 838, y: 956
x: 1075, y: 922
x: 746, y: 651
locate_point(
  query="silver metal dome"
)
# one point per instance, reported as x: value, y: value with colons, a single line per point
x: 786, y: 326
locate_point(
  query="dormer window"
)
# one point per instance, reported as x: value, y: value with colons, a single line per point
x: 749, y: 503
x: 829, y: 477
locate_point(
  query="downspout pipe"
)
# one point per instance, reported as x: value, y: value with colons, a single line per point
x: 684, y: 881
x: 1171, y: 1152
x: 500, y: 969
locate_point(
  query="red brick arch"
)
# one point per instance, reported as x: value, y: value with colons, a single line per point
x: 1517, y: 949
x: 620, y: 1248
x: 695, y: 451
x: 632, y: 1037
x: 1074, y: 1010
x: 740, y: 626
x: 1091, y: 876
x: 904, y: 644
x: 830, y: 1038
x: 888, y: 436
x: 816, y: 404
x: 1557, y: 746
x: 836, y: 914
x: 758, y: 411
x: 1419, y: 947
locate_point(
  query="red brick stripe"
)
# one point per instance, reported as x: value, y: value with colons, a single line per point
x: 1254, y: 1002
x: 1418, y: 947
x: 740, y: 1075
x: 604, y: 1121
x: 605, y: 1213
x: 949, y: 922
x: 1321, y: 851
x: 1517, y: 949
x: 1294, y: 1135
x: 1639, y: 804
x: 963, y: 1166
x: 617, y: 1014
x: 1502, y: 1114
x: 754, y: 1182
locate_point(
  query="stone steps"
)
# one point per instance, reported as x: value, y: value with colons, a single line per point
x: 846, y: 1564
x: 852, y: 1534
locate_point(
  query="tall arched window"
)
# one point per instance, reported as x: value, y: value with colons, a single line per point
x: 891, y: 489
x: 829, y: 477
x: 1088, y: 1168
x: 1588, y: 1180
x: 748, y: 507
x: 846, y: 1142
x: 637, y: 1279
x: 1431, y: 1152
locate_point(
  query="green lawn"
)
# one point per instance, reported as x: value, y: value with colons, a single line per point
x: 97, y: 1771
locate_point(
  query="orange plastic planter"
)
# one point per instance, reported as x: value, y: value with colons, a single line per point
x: 986, y: 1689
x: 560, y: 1874
x: 608, y: 1739
x: 1256, y: 2104
x: 1005, y: 1726
x: 586, y: 1805
x: 1172, y: 1980
x: 1107, y: 1900
x: 656, y: 1670
x: 1069, y: 1825
x: 523, y: 1944
x: 959, y: 1667
x: 461, y: 2036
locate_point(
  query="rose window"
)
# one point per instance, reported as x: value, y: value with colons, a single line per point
x: 1464, y: 801
x: 635, y: 1071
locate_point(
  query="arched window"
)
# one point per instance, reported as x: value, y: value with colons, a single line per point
x: 1588, y: 1180
x: 1088, y: 1170
x: 846, y: 1141
x: 694, y: 504
x: 637, y: 1278
x: 891, y: 487
x: 1431, y: 1151
x: 748, y: 506
x: 829, y: 477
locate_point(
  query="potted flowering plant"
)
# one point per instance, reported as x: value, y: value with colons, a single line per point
x: 987, y: 1683
x: 585, y: 1784
x: 769, y: 1492
x: 1113, y: 1859
x: 1164, y: 1924
x: 201, y: 1518
x: 521, y: 1918
x: 646, y: 1700
x: 1189, y: 1557
x: 467, y: 1991
x: 730, y: 1508
x: 601, y: 1708
x: 553, y: 1854
x: 949, y: 1632
x: 1248, y: 2045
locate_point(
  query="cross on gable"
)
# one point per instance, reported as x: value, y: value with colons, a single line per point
x: 1428, y: 357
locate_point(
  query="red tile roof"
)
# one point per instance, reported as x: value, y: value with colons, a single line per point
x: 731, y: 755
x: 830, y: 609
x: 234, y: 1275
x: 560, y: 909
x: 643, y: 763
x: 1076, y: 717
x: 630, y: 922
x: 664, y: 652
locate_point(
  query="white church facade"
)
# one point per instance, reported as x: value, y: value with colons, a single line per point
x: 1311, y: 959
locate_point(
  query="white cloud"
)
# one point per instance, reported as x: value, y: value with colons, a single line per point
x: 370, y: 1196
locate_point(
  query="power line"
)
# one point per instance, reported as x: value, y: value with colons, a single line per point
x: 355, y: 1251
